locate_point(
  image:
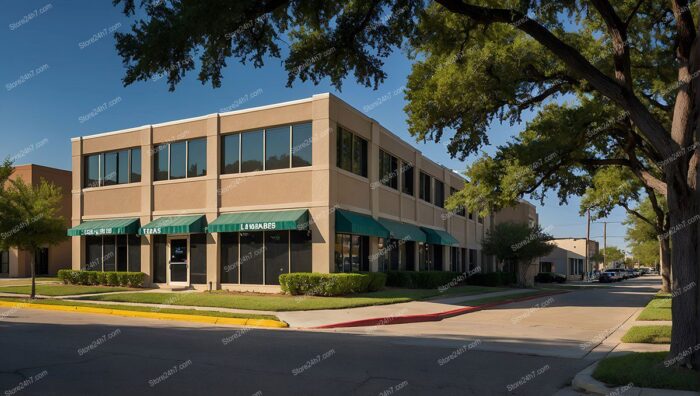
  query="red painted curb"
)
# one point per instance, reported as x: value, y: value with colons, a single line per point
x: 433, y: 317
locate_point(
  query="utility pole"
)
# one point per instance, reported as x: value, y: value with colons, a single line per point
x: 605, y: 244
x: 588, y: 236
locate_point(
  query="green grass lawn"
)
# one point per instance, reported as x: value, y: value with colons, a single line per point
x: 278, y: 302
x: 648, y: 335
x: 486, y: 300
x: 26, y: 281
x: 645, y: 370
x: 217, y: 314
x: 658, y: 309
x: 61, y: 290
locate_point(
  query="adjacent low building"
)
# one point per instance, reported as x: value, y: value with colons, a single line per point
x: 49, y: 259
x: 569, y: 257
x: 233, y: 200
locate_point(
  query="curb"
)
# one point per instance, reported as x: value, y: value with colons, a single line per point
x: 150, y: 315
x: 584, y: 381
x: 432, y: 317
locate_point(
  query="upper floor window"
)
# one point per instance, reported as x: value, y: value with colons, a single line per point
x: 424, y: 189
x: 407, y: 179
x: 272, y: 148
x: 111, y: 168
x: 439, y: 193
x: 460, y: 209
x: 388, y: 170
x: 179, y: 160
x: 351, y: 152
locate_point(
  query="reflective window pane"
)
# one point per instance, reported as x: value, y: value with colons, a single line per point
x: 197, y: 158
x: 92, y: 171
x: 109, y: 254
x: 407, y: 180
x: 123, y: 167
x: 109, y: 169
x: 135, y: 176
x: 122, y: 257
x: 252, y: 151
x: 301, y: 145
x: 160, y: 162
x: 134, y: 253
x: 439, y: 193
x: 359, y: 156
x: 300, y: 246
x: 229, y: 257
x: 344, y: 149
x: 251, y: 260
x: 93, y: 254
x: 178, y: 154
x: 198, y: 259
x: 277, y: 148
x: 276, y: 256
x: 230, y: 161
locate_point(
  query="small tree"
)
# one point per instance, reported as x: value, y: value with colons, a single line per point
x: 612, y: 254
x: 29, y: 216
x: 518, y: 243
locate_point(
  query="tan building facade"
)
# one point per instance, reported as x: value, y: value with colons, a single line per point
x: 232, y: 200
x: 17, y: 263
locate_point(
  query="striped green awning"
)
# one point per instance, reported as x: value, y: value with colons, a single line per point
x: 403, y: 231
x: 439, y: 237
x: 106, y: 227
x: 194, y: 224
x: 297, y: 219
x: 347, y: 222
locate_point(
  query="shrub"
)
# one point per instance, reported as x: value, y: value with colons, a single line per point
x: 549, y: 277
x: 132, y: 279
x: 492, y: 279
x: 422, y: 279
x: 315, y: 284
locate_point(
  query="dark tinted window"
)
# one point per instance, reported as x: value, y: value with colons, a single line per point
x: 359, y: 156
x: 159, y: 258
x: 388, y: 169
x: 178, y: 155
x: 109, y: 254
x: 424, y: 188
x: 230, y: 160
x: 198, y: 259
x: 439, y: 193
x: 300, y: 247
x: 252, y: 151
x: 92, y: 171
x: 122, y: 255
x: 135, y: 165
x: 93, y: 254
x: 251, y: 258
x: 407, y: 179
x: 160, y: 162
x: 276, y: 256
x: 351, y: 253
x: 109, y: 169
x: 197, y: 158
x: 229, y: 257
x: 134, y: 253
x: 344, y: 150
x: 277, y: 148
x: 301, y: 145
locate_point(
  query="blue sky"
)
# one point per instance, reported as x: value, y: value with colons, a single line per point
x: 55, y: 75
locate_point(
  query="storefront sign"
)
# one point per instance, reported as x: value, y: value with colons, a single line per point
x: 258, y: 226
x: 99, y: 231
x: 151, y: 231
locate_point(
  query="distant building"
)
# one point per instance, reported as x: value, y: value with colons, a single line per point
x: 17, y: 263
x: 524, y: 213
x: 569, y: 257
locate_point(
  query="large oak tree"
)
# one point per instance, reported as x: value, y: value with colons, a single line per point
x: 611, y: 83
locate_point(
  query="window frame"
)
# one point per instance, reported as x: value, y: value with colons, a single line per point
x: 407, y: 167
x: 101, y: 167
x: 355, y: 140
x: 425, y: 196
x: 390, y: 179
x: 170, y: 159
x: 439, y: 201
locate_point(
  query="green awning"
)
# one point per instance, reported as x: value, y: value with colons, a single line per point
x: 403, y: 231
x: 297, y: 219
x: 439, y: 237
x: 347, y: 222
x: 106, y: 227
x: 194, y: 224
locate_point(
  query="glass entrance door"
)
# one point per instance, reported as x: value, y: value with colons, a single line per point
x: 178, y: 271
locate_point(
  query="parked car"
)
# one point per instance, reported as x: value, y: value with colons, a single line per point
x: 609, y: 277
x: 550, y: 277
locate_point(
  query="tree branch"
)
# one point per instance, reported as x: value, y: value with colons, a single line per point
x: 618, y: 34
x: 643, y: 119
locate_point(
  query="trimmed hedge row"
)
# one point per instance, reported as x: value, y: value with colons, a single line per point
x: 436, y: 279
x: 316, y: 284
x: 110, y: 278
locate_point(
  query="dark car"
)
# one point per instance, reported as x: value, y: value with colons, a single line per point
x: 550, y: 277
x: 609, y: 277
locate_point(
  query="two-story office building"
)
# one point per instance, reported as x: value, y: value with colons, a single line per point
x: 233, y: 200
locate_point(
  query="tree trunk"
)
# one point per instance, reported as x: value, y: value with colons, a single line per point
x: 33, y: 272
x: 684, y: 214
x: 665, y: 268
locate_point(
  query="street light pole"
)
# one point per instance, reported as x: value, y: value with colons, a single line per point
x: 588, y: 236
x: 605, y: 244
